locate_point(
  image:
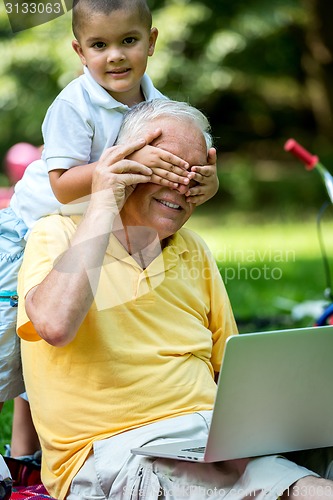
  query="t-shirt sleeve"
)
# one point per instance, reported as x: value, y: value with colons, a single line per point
x: 222, y: 325
x: 221, y: 318
x: 68, y: 134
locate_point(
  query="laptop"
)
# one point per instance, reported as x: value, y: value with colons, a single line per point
x: 274, y: 395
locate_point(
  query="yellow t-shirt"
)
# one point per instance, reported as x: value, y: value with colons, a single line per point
x: 147, y: 349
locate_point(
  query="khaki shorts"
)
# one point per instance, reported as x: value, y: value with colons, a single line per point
x: 111, y: 471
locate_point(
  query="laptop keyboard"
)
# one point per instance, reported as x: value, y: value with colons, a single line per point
x: 199, y: 449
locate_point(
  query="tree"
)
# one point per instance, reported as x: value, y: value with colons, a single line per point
x: 33, y: 69
x: 318, y: 63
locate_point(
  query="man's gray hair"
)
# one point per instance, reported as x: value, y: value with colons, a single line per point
x: 140, y: 116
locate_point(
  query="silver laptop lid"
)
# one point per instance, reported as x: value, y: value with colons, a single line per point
x: 275, y: 394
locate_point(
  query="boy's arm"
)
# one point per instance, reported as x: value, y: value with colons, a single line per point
x: 72, y: 184
x: 168, y: 170
x: 68, y: 134
x: 206, y: 179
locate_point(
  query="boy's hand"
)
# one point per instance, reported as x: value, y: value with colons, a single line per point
x: 206, y: 179
x: 168, y: 170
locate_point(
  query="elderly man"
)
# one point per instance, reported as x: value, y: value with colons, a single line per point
x: 124, y: 324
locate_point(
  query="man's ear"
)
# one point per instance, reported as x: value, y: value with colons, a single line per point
x: 152, y: 41
x: 78, y: 49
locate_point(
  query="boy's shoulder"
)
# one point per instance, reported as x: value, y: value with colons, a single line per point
x: 78, y: 85
x: 84, y: 94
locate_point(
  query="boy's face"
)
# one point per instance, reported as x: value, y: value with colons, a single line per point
x: 115, y: 48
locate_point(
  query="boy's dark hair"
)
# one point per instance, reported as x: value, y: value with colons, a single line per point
x: 83, y: 10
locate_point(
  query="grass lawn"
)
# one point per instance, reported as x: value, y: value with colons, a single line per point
x: 5, y: 424
x: 267, y: 265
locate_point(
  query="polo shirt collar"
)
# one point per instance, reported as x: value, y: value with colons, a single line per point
x: 175, y: 247
x: 148, y: 88
x: 100, y: 97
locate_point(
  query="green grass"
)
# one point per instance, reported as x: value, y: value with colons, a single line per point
x: 267, y: 266
x: 243, y: 245
x: 5, y: 424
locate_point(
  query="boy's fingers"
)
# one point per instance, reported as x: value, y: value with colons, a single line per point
x: 204, y: 171
x: 194, y: 191
x: 171, y: 160
x: 212, y: 156
x: 196, y: 199
x: 151, y: 136
x: 163, y: 182
x: 128, y: 166
x: 170, y: 167
x: 195, y: 176
x: 171, y: 176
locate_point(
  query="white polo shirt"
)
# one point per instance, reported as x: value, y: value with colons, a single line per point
x: 80, y: 124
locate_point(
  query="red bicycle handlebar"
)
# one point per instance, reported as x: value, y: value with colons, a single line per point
x: 301, y: 153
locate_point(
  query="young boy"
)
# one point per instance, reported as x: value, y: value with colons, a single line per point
x: 114, y: 39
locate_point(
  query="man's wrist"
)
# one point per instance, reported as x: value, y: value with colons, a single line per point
x: 99, y: 218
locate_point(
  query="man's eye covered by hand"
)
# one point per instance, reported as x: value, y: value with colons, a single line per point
x: 168, y: 169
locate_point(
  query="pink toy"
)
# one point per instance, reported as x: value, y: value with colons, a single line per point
x: 18, y: 158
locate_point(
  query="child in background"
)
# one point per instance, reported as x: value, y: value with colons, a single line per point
x: 113, y: 39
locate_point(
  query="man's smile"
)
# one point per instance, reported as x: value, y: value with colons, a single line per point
x: 169, y: 204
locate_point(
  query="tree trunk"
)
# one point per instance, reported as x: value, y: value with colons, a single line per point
x: 318, y: 63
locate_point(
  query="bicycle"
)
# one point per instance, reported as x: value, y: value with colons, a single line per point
x: 312, y: 162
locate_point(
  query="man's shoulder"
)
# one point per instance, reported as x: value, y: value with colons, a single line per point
x: 54, y: 224
x: 192, y: 239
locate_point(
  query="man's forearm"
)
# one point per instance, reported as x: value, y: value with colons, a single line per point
x: 60, y: 303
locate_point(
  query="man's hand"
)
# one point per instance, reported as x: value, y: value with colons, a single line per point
x: 75, y: 274
x: 116, y: 176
